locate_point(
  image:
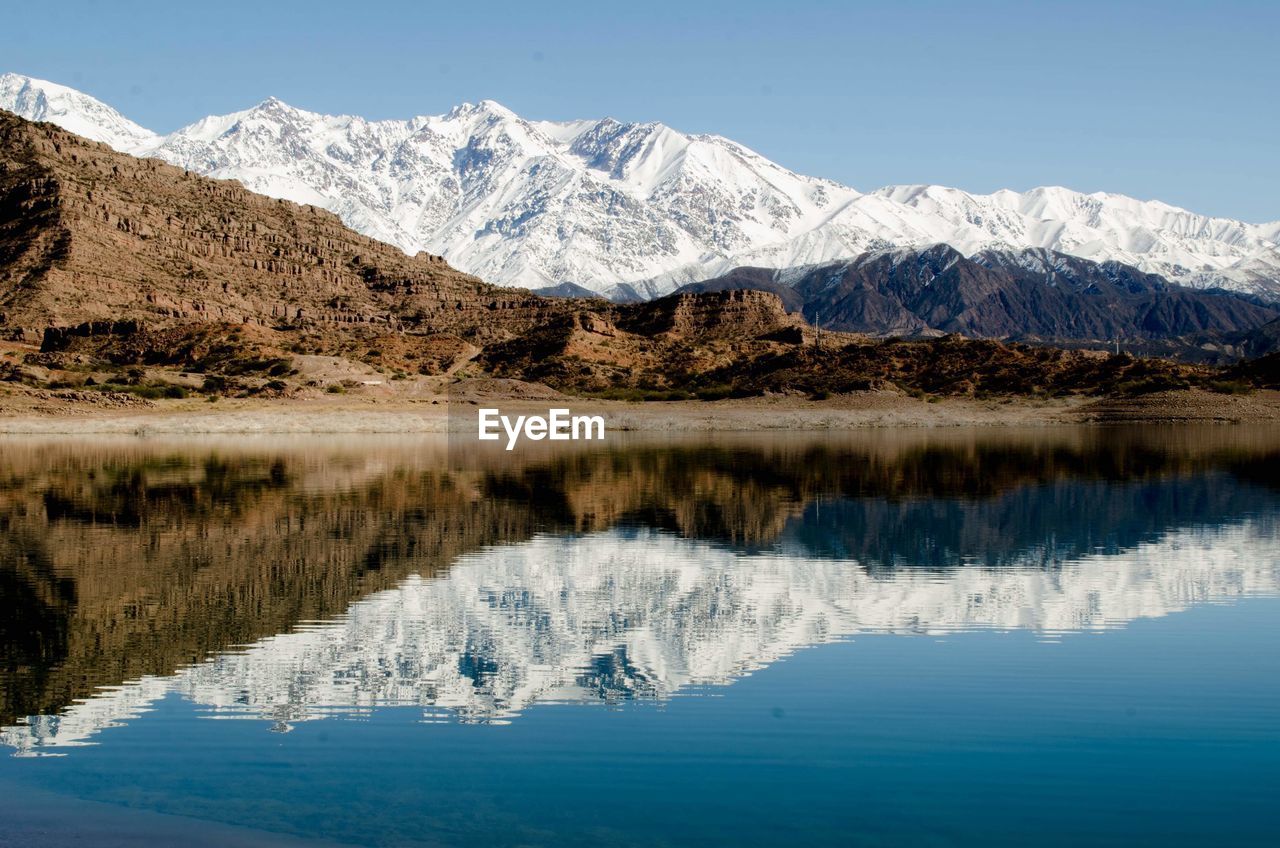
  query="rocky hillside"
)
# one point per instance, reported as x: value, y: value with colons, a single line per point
x: 679, y: 347
x: 88, y: 234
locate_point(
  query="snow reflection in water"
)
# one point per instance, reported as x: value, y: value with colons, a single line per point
x: 641, y: 613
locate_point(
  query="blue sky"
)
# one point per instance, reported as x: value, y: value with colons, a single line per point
x: 1173, y: 100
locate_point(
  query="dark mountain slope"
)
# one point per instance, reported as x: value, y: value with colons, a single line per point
x: 566, y: 290
x: 1032, y: 295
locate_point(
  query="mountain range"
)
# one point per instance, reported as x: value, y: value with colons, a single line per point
x: 622, y: 208
x: 112, y: 262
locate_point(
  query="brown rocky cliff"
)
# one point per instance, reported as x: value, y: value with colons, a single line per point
x: 714, y: 314
x: 656, y: 345
x: 89, y: 234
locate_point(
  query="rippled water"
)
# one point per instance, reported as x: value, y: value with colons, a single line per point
x: 951, y: 638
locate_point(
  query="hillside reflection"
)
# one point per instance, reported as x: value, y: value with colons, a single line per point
x: 287, y: 582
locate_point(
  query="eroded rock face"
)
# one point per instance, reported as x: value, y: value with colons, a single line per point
x: 661, y: 344
x: 60, y: 338
x: 739, y: 313
x: 88, y: 235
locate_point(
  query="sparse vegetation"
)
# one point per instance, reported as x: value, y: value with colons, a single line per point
x: 1150, y: 385
x: 1230, y: 387
x: 636, y: 394
x: 148, y: 391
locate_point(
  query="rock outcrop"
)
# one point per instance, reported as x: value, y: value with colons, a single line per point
x: 714, y: 314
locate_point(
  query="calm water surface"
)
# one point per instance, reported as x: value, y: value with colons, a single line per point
x: 939, y: 638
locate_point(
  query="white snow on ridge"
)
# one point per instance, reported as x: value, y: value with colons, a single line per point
x: 601, y: 202
x: 38, y: 100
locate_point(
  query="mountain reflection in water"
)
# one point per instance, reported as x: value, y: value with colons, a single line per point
x: 288, y: 583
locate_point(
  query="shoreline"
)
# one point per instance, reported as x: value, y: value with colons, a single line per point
x: 47, y: 414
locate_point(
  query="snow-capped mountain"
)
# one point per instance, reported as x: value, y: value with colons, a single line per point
x: 37, y: 100
x: 602, y: 203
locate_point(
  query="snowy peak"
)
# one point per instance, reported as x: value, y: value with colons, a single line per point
x: 483, y: 109
x: 606, y: 204
x: 39, y: 100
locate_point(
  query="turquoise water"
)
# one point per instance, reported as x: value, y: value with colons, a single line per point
x: 1057, y: 638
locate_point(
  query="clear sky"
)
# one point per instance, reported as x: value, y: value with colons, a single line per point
x: 1172, y: 100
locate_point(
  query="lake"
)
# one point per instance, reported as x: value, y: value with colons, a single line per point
x: 939, y: 637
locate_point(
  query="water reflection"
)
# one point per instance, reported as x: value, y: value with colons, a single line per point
x: 286, y: 583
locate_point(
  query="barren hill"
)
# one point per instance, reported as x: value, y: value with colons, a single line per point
x: 89, y: 234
